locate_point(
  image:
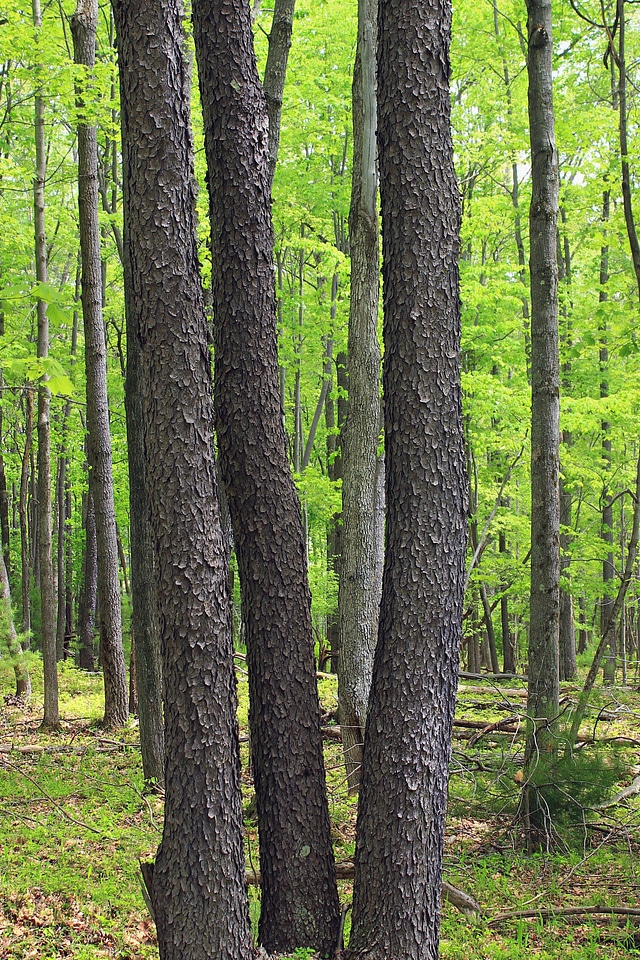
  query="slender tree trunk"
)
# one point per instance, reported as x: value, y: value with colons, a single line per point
x: 403, y: 789
x: 23, y: 510
x: 299, y: 895
x: 334, y: 471
x: 84, y: 24
x: 198, y: 886
x: 358, y: 598
x: 89, y: 593
x: 275, y: 72
x: 23, y: 680
x: 51, y: 718
x: 545, y: 391
x: 60, y: 551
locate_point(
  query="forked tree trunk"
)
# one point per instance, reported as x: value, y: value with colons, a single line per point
x: 403, y: 789
x: 199, y: 886
x: 358, y: 593
x: 545, y: 388
x: 84, y: 24
x: 299, y: 896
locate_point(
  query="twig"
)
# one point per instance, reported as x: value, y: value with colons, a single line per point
x: 551, y: 913
x: 67, y: 816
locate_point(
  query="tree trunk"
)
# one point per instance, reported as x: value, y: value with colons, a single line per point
x: 51, y: 717
x: 545, y: 389
x: 396, y: 904
x: 89, y: 593
x: 299, y: 895
x: 275, y: 72
x: 23, y: 680
x: 84, y: 24
x: 23, y: 510
x: 199, y: 885
x: 358, y: 599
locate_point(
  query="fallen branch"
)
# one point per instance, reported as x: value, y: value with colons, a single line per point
x: 551, y: 913
x: 345, y: 870
x: 67, y: 816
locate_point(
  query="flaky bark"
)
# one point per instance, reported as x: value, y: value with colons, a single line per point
x: 199, y: 886
x: 396, y: 905
x: 545, y: 386
x: 358, y: 590
x: 299, y: 897
x: 116, y: 706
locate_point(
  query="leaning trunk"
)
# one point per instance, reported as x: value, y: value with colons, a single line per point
x: 199, y: 885
x: 299, y: 897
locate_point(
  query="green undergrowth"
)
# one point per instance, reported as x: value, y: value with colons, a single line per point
x: 74, y: 823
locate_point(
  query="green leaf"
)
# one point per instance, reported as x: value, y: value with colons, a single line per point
x: 44, y: 291
x: 57, y: 314
x: 13, y: 292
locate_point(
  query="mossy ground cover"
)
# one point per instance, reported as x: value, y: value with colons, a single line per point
x: 74, y: 822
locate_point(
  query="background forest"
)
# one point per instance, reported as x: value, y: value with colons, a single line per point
x: 599, y: 272
x: 599, y: 353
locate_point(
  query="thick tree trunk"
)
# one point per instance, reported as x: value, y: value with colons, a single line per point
x: 116, y: 707
x: 299, y: 894
x: 396, y: 905
x: 199, y: 886
x: 358, y: 598
x: 545, y: 387
x: 51, y: 718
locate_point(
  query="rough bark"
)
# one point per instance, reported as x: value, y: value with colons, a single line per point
x: 299, y: 895
x: 84, y: 24
x: 545, y: 386
x: 23, y: 510
x: 199, y: 886
x: 144, y: 620
x: 51, y: 717
x: 398, y: 879
x: 358, y: 598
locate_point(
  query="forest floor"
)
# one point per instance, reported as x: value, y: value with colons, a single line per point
x: 74, y: 823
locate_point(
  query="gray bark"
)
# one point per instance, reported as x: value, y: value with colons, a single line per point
x: 543, y: 690
x: 358, y: 596
x: 116, y: 707
x: 51, y: 717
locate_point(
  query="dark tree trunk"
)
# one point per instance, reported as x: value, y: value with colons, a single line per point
x: 84, y: 24
x: 358, y: 596
x: 299, y: 894
x: 51, y: 717
x: 275, y: 72
x: 144, y: 620
x: 545, y: 387
x: 199, y: 885
x: 89, y: 593
x: 403, y: 790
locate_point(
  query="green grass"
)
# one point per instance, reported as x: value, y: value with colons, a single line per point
x: 74, y: 824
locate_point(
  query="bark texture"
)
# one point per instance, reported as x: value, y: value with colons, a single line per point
x: 545, y: 386
x: 299, y: 894
x: 199, y: 886
x: 89, y: 595
x: 275, y: 73
x: 358, y: 590
x: 396, y: 905
x: 84, y: 24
